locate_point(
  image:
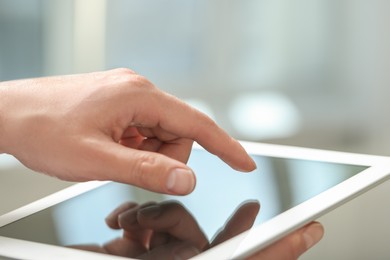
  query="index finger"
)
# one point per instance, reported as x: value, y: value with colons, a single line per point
x: 241, y: 220
x: 171, y: 219
x: 185, y: 121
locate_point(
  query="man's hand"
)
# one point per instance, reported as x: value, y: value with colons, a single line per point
x: 112, y: 125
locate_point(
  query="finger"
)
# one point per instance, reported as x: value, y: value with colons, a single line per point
x: 130, y: 132
x: 239, y: 222
x: 150, y: 144
x: 141, y: 143
x: 112, y: 218
x: 131, y: 138
x: 173, y: 219
x: 179, y: 149
x: 293, y: 245
x: 157, y: 140
x: 134, y: 234
x: 127, y: 220
x: 158, y: 132
x: 197, y: 126
x: 179, y: 119
x: 148, y: 170
x: 161, y: 141
x: 135, y: 240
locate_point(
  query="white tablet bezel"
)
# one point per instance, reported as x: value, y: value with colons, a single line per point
x: 242, y: 245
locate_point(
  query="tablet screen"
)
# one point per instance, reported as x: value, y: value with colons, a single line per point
x: 278, y: 185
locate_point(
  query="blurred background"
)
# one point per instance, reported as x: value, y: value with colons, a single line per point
x: 311, y: 73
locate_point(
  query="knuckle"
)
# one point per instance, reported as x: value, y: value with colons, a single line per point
x: 142, y: 82
x: 128, y: 78
x: 142, y: 169
x: 124, y: 71
x: 137, y: 82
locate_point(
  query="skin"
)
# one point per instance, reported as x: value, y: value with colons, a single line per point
x: 112, y: 125
x: 116, y: 125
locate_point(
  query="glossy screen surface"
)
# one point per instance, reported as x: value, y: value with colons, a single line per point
x: 278, y: 184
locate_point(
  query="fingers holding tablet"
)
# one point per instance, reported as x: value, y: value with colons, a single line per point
x: 293, y: 245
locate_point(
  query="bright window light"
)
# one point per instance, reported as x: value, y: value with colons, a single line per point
x: 264, y: 115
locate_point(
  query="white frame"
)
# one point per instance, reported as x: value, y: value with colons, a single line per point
x: 242, y: 245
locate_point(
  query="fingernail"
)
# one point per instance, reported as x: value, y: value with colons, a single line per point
x: 181, y: 181
x: 252, y: 163
x: 313, y: 234
x: 247, y: 166
x: 151, y: 211
x: 127, y: 219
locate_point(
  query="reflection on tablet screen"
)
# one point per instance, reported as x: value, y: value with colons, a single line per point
x: 278, y: 184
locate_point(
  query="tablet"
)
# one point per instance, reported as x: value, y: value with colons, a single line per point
x: 294, y: 186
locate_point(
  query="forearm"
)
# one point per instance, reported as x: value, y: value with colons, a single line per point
x: 9, y: 100
x: 3, y: 96
x: 19, y: 102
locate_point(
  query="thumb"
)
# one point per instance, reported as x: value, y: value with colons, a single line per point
x: 149, y: 170
x: 293, y: 245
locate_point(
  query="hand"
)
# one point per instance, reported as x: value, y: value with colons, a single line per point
x: 112, y: 125
x: 168, y: 231
x: 155, y: 231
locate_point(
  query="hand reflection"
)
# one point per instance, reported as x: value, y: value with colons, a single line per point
x: 166, y: 230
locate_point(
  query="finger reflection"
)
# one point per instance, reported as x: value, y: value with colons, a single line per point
x: 167, y: 230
